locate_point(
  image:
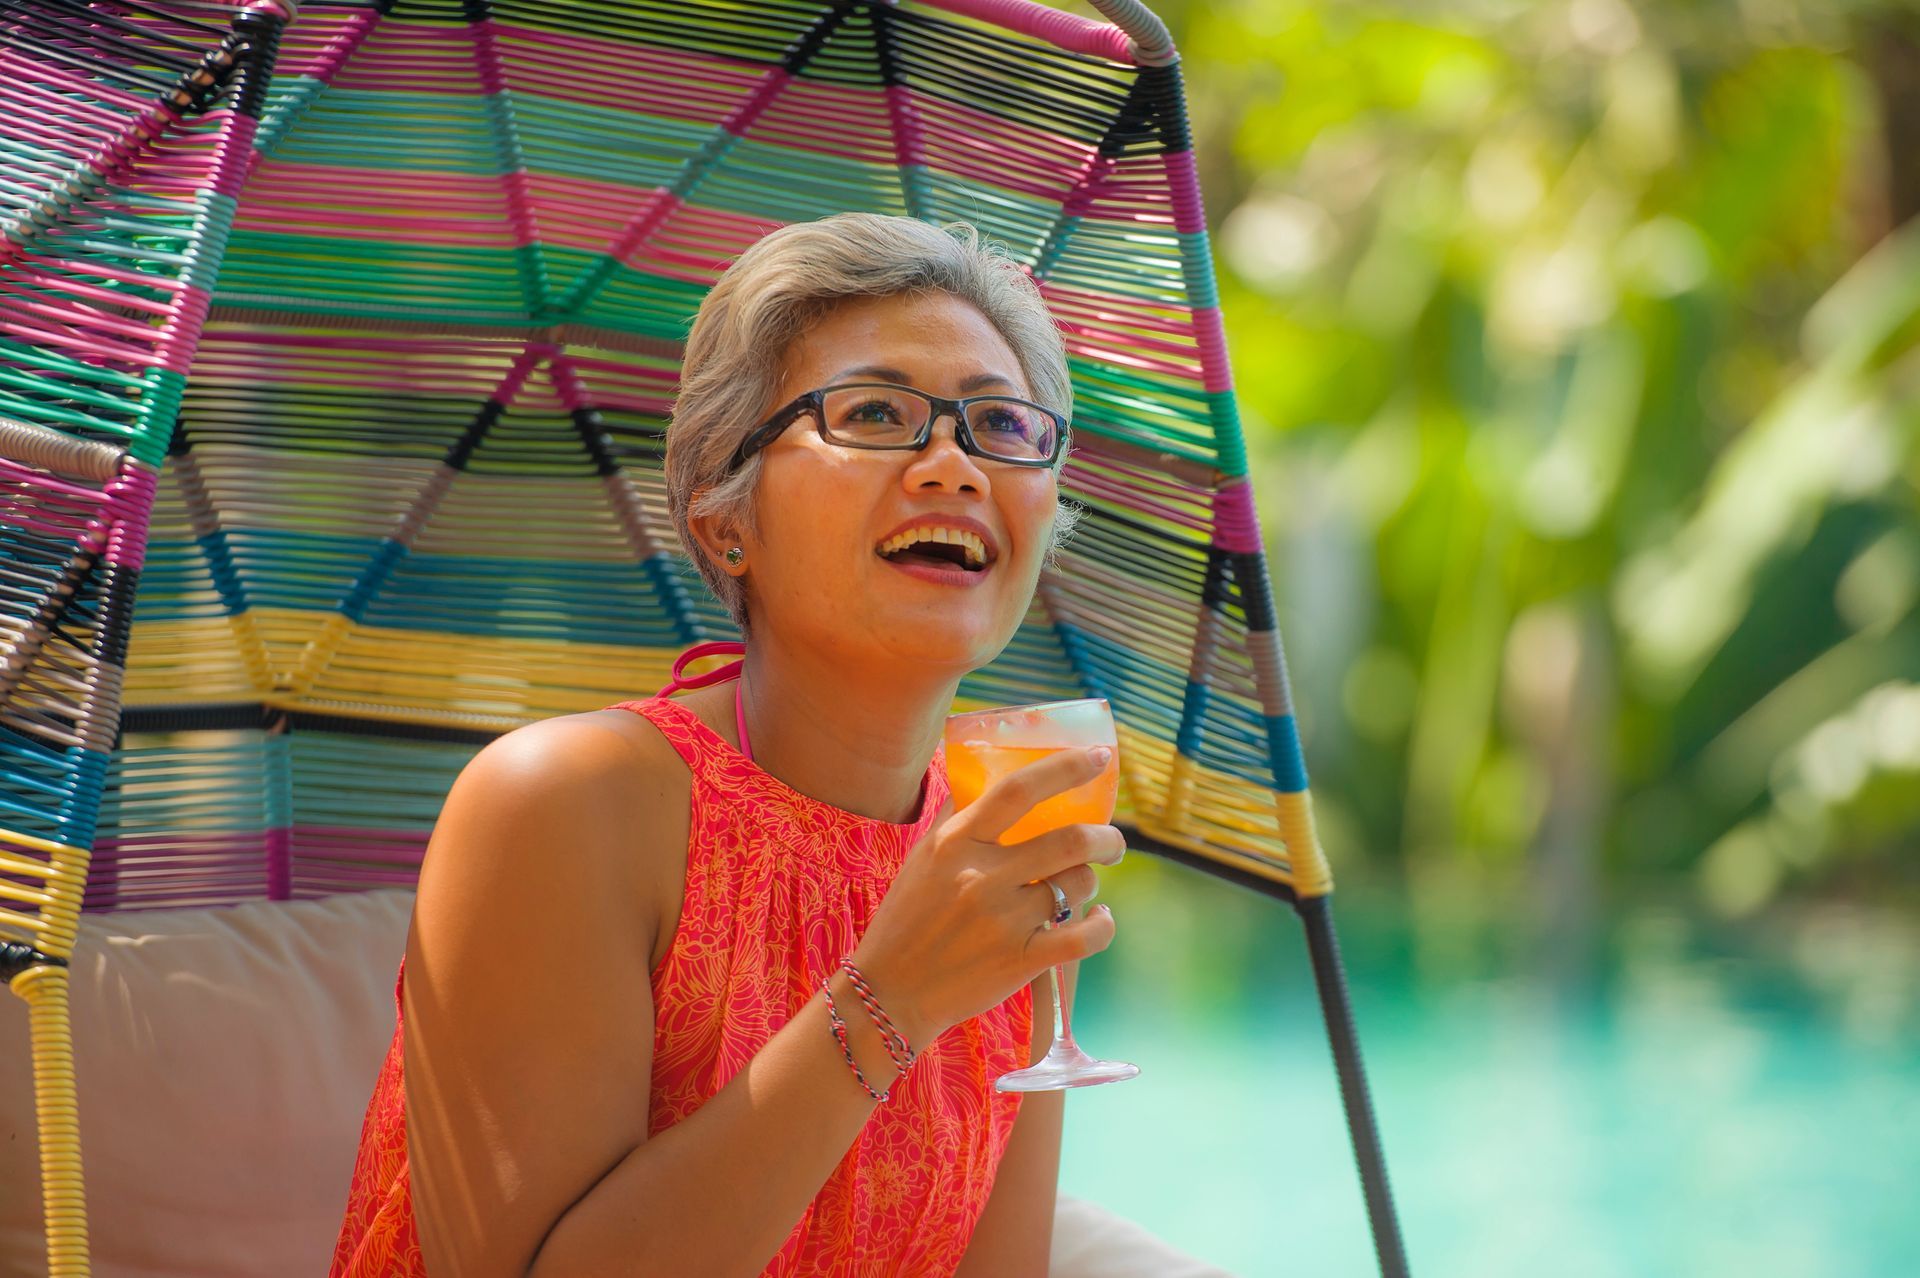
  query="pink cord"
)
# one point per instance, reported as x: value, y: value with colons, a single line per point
x: 740, y: 716
x: 737, y: 670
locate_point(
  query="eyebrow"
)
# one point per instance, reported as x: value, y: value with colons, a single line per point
x: 974, y: 382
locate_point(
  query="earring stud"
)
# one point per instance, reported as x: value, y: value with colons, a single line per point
x: 735, y: 555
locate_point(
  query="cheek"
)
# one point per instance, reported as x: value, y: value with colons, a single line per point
x: 810, y: 503
x: 1032, y: 512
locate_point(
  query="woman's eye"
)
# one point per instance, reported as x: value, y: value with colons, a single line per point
x: 1006, y: 420
x: 874, y: 410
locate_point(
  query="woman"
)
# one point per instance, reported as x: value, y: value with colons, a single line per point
x: 617, y: 1052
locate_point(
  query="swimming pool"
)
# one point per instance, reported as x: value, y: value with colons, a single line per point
x: 1703, y: 1103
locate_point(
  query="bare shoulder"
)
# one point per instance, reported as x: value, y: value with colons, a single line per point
x: 582, y: 816
x: 528, y: 1009
x: 603, y: 759
x: 579, y: 751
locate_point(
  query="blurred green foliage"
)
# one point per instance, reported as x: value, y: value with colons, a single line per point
x: 1579, y: 349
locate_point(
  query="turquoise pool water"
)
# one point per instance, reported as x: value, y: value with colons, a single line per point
x: 1700, y: 1103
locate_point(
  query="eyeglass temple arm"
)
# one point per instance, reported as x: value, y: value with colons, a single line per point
x: 770, y: 429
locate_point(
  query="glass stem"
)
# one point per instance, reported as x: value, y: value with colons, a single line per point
x: 1062, y: 1021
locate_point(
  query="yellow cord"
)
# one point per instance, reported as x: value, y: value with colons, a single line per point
x: 56, y: 1104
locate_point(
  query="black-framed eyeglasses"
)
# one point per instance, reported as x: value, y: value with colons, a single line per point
x: 882, y: 415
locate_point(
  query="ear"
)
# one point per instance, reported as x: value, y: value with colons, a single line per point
x: 716, y: 536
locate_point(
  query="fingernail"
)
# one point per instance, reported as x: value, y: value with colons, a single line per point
x: 1100, y: 755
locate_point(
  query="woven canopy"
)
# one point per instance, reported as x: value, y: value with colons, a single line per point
x: 389, y: 339
x: 337, y: 351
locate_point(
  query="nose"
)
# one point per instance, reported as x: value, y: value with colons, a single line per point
x: 944, y: 464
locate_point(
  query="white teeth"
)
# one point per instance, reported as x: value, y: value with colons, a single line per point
x: 975, y: 547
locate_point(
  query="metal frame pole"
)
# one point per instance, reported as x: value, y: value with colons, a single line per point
x: 1316, y: 913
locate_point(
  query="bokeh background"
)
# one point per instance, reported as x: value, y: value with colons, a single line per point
x: 1578, y: 345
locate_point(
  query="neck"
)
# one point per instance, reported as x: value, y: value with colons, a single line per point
x: 859, y: 740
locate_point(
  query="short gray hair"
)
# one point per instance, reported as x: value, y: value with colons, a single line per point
x: 766, y: 299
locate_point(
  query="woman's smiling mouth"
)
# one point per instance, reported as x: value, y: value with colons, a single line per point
x: 949, y: 550
x: 938, y: 571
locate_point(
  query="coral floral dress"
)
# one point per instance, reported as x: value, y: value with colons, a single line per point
x: 778, y: 887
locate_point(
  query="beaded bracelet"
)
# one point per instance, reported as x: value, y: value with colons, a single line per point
x: 903, y: 1055
x: 846, y: 1049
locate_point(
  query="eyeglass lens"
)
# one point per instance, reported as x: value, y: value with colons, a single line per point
x: 879, y: 416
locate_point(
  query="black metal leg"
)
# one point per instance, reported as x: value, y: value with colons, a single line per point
x: 1331, y: 978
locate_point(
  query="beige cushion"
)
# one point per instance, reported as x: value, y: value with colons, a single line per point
x: 225, y: 1057
x: 1091, y: 1242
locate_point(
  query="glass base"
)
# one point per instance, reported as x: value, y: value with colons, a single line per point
x: 1063, y: 1067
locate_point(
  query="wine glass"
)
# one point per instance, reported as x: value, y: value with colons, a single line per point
x: 985, y: 745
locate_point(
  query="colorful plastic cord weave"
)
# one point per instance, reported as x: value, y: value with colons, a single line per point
x: 336, y: 355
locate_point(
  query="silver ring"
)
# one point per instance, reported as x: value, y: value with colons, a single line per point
x: 1061, y: 910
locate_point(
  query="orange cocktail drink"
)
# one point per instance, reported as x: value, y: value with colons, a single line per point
x: 973, y: 765
x: 986, y: 745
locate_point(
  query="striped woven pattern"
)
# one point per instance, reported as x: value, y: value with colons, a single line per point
x: 117, y: 186
x: 376, y: 357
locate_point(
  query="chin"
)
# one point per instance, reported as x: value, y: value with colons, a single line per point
x: 947, y: 640
x: 959, y: 648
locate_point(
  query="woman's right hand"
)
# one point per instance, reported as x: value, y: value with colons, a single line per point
x: 964, y: 924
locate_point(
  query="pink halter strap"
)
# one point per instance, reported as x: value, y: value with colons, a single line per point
x: 736, y: 670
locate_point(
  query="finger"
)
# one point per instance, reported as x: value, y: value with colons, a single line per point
x: 1042, y: 907
x: 1010, y: 798
x: 1069, y: 942
x: 1045, y: 856
x: 1078, y: 884
x: 1040, y: 903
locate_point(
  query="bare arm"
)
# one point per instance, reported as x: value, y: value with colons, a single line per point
x: 720, y: 1192
x: 1014, y: 1236
x: 530, y: 1023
